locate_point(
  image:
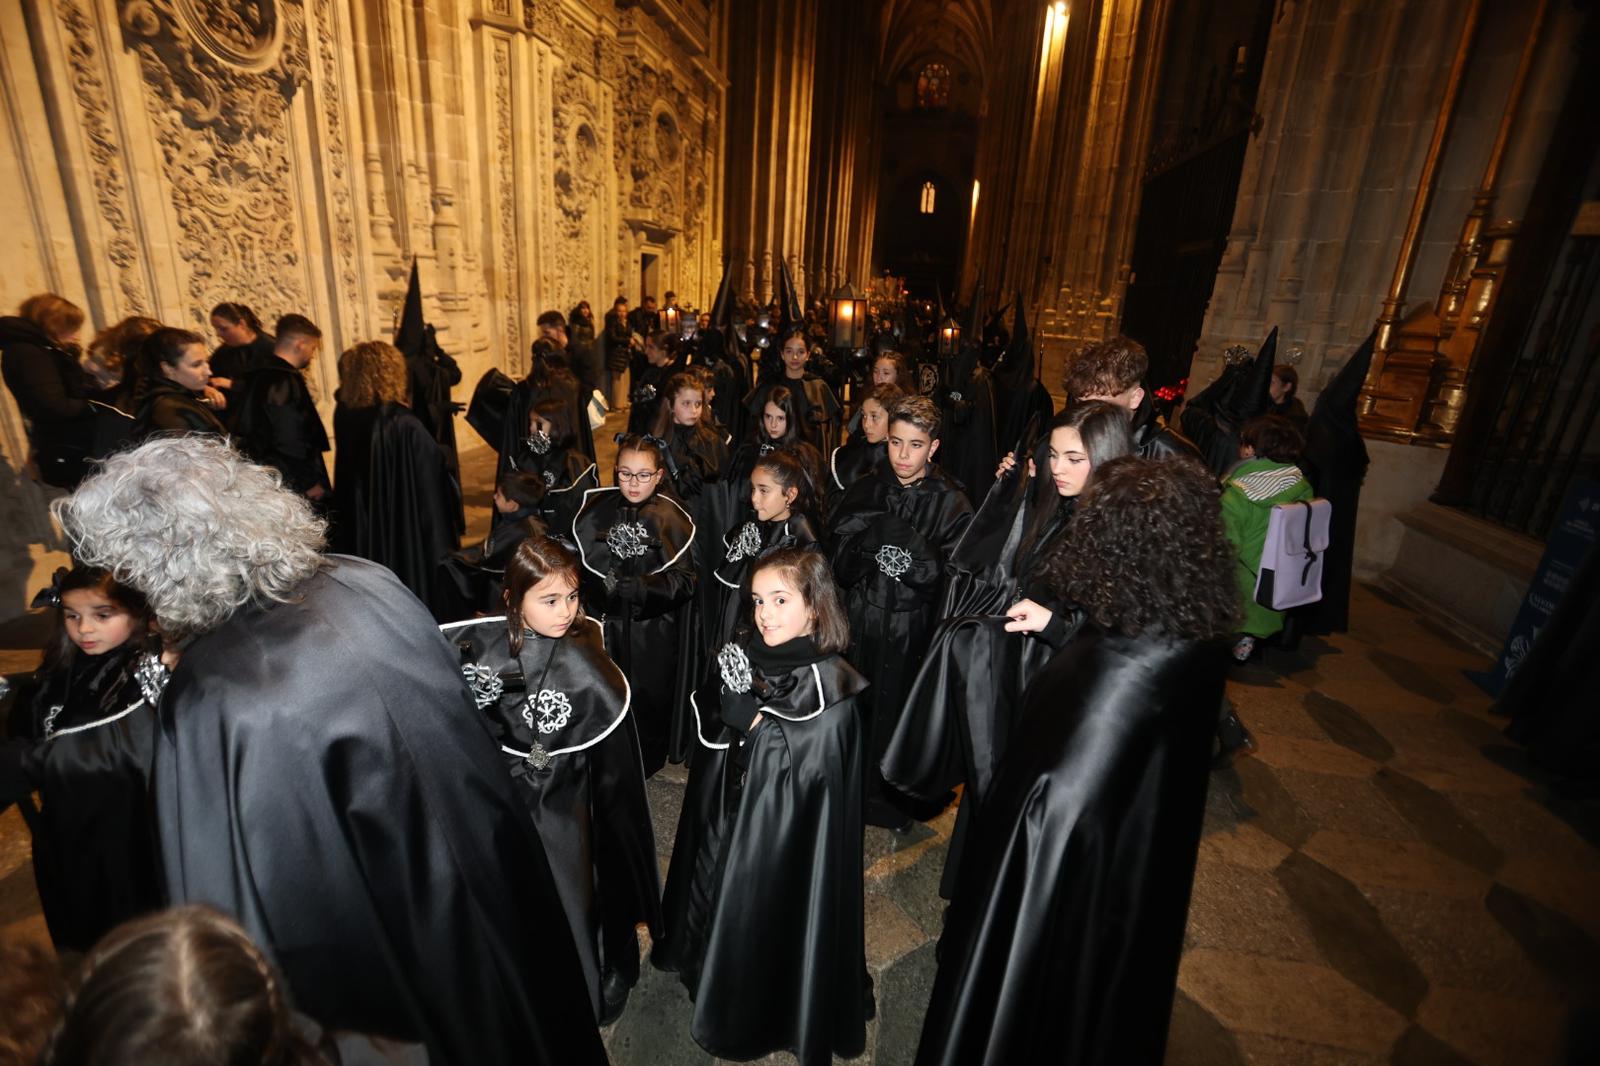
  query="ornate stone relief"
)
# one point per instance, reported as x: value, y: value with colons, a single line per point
x: 337, y: 158
x: 108, y: 173
x: 506, y: 227
x: 218, y: 80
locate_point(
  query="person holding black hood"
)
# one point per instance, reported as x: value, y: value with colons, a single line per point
x: 39, y: 361
x: 1114, y: 371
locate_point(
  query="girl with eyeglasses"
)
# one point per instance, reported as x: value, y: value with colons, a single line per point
x: 634, y: 543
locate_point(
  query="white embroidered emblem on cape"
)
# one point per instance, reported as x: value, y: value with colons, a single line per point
x: 735, y: 667
x: 746, y: 544
x: 893, y: 561
x: 548, y: 711
x: 485, y: 684
x: 627, y: 540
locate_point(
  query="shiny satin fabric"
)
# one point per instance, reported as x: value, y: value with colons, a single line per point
x: 94, y: 852
x: 567, y: 474
x: 971, y: 450
x: 764, y: 899
x: 891, y: 618
x: 960, y: 707
x: 850, y: 462
x: 815, y: 405
x: 735, y: 568
x: 584, y: 788
x: 1063, y: 940
x: 653, y: 637
x: 395, y: 500
x: 470, y: 581
x: 323, y: 775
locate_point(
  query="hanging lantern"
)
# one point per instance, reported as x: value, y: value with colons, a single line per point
x: 847, y: 315
x: 672, y: 320
x: 949, y: 337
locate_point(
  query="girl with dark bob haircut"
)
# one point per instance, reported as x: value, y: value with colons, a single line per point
x: 813, y: 579
x: 1084, y: 846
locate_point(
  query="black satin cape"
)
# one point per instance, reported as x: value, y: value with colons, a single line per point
x: 852, y: 461
x: 323, y: 775
x: 471, y: 580
x: 584, y: 787
x: 277, y: 424
x: 764, y: 900
x: 742, y: 546
x: 891, y: 619
x: 94, y: 853
x: 568, y: 474
x: 395, y: 501
x: 1213, y: 419
x: 652, y: 639
x: 971, y: 450
x: 1063, y: 940
x: 959, y: 712
x: 815, y: 405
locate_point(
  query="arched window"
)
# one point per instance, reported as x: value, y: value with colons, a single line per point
x: 929, y: 191
x: 933, y: 86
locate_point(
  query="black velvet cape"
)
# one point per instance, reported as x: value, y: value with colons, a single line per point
x: 94, y: 853
x: 1063, y: 940
x: 395, y: 500
x: 651, y: 637
x: 764, y: 900
x: 323, y: 775
x: 559, y: 711
x: 891, y: 618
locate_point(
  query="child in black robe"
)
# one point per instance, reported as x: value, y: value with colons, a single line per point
x: 777, y: 426
x: 783, y: 509
x: 891, y: 536
x: 644, y: 396
x: 558, y: 706
x: 83, y: 742
x: 858, y: 456
x: 634, y: 543
x: 470, y: 580
x: 698, y: 455
x: 816, y: 406
x: 551, y: 453
x: 764, y: 903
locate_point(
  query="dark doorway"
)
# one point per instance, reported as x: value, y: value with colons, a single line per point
x: 649, y: 276
x: 1204, y: 121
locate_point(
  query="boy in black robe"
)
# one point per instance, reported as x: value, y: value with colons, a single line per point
x: 891, y: 534
x: 1114, y: 371
x: 277, y: 424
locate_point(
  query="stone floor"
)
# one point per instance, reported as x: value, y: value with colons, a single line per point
x: 1385, y: 881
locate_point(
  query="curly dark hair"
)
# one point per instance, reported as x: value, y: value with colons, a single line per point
x: 1106, y: 369
x: 1146, y: 552
x: 1273, y: 437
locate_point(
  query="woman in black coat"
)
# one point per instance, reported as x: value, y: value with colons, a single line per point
x: 395, y: 500
x: 39, y: 361
x: 1063, y: 940
x: 171, y: 374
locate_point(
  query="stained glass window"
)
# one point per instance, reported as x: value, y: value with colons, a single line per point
x: 933, y: 86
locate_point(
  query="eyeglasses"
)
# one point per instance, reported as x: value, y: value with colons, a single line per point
x: 636, y: 476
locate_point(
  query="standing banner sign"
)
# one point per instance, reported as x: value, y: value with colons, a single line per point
x: 1570, y: 540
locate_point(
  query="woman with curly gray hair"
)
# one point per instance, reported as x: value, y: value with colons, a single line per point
x: 321, y: 773
x: 1062, y: 941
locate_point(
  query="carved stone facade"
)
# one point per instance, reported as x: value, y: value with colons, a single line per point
x: 295, y: 155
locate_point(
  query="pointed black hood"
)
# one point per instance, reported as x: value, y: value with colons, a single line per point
x: 791, y: 316
x: 411, y: 332
x: 1252, y: 393
x: 1338, y: 400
